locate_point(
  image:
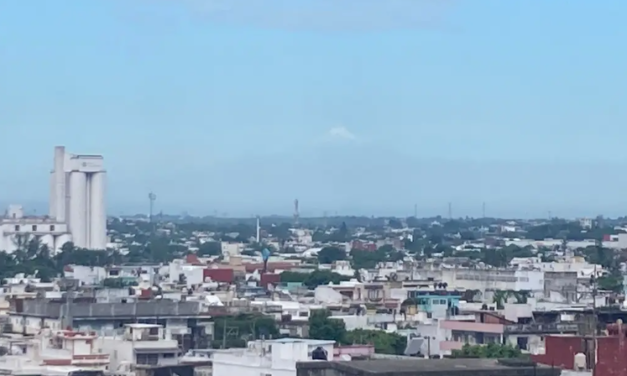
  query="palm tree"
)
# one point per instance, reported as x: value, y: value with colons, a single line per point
x: 521, y: 296
x: 33, y: 246
x: 21, y: 241
x: 500, y: 298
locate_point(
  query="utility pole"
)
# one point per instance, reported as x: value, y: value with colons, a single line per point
x: 593, y: 285
x: 428, y: 347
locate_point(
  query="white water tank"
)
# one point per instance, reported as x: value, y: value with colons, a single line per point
x: 580, y: 362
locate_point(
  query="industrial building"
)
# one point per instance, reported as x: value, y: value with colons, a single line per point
x: 77, y: 210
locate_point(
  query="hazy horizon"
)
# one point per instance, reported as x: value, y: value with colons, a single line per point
x: 362, y: 107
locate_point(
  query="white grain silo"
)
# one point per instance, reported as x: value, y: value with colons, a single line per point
x: 48, y: 241
x: 60, y: 241
x: 77, y: 198
x: 60, y: 188
x: 97, y: 211
x: 78, y: 208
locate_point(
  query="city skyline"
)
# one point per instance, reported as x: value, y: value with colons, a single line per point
x: 515, y: 104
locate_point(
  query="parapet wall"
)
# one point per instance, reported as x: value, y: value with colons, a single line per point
x: 160, y: 308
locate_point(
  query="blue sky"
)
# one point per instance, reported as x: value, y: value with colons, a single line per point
x: 353, y: 106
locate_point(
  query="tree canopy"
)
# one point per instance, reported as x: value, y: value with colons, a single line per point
x: 328, y: 255
x: 210, y: 248
x: 322, y: 326
x: 242, y: 328
x: 315, y: 278
x: 491, y: 350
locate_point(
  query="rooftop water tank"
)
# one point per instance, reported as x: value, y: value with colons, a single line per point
x: 580, y: 362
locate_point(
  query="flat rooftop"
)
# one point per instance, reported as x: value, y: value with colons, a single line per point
x: 440, y: 365
x: 313, y: 342
x: 409, y: 366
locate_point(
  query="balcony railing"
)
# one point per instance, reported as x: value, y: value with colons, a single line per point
x: 542, y: 328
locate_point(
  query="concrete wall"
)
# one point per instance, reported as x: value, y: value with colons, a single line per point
x: 345, y: 369
x: 161, y: 308
x: 562, y: 285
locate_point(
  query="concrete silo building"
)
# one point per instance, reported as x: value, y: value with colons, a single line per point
x: 77, y: 197
x: 77, y: 208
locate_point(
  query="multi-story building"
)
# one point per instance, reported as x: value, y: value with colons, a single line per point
x: 275, y: 357
x: 77, y: 210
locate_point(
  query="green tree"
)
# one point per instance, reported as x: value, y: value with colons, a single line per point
x: 612, y: 282
x: 319, y: 236
x: 340, y: 235
x: 321, y: 326
x: 500, y: 298
x: 491, y: 350
x: 384, y: 343
x: 412, y: 222
x: 396, y: 256
x: 395, y: 223
x: 210, y: 248
x: 282, y: 232
x: 369, y: 259
x: 495, y: 257
x: 242, y: 328
x: 328, y: 255
x: 314, y: 279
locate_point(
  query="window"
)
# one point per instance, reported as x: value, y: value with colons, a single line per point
x: 17, y: 227
x: 147, y: 359
x: 34, y: 227
x: 168, y: 355
x: 51, y: 227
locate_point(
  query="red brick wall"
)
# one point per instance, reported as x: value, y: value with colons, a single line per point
x: 612, y: 357
x: 561, y: 350
x: 268, y: 278
x: 220, y: 275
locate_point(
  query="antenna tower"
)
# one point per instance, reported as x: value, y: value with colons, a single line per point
x: 296, y: 214
x: 152, y: 197
x: 450, y: 211
x: 415, y: 210
x: 258, y: 230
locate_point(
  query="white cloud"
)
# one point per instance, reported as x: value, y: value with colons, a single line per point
x: 341, y: 133
x: 325, y: 15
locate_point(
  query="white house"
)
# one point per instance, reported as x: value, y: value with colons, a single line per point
x: 262, y: 358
